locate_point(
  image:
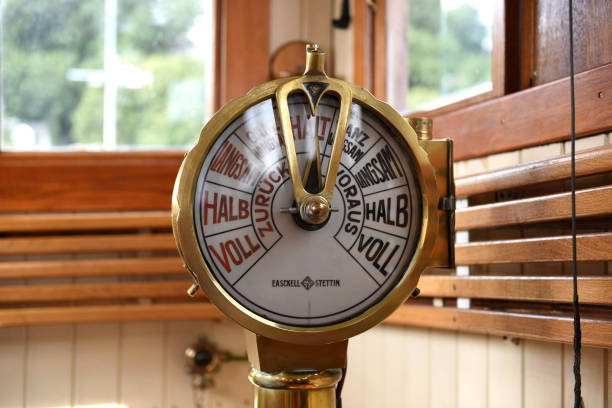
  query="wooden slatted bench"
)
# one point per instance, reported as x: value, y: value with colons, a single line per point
x: 86, y: 237
x: 529, y: 305
x: 85, y: 267
x: 114, y: 259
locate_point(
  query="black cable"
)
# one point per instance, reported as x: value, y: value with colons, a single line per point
x: 577, y: 332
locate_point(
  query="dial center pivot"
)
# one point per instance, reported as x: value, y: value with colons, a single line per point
x: 315, y: 209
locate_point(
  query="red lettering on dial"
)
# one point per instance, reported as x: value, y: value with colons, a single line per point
x: 231, y: 163
x: 223, y: 208
x: 235, y: 250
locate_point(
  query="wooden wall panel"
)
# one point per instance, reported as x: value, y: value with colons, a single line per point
x: 142, y: 359
x: 608, y: 376
x: 379, y: 50
x: 372, y: 392
x: 12, y: 368
x: 418, y: 369
x: 244, y: 51
x: 56, y: 366
x: 472, y: 376
x: 305, y: 20
x: 177, y: 383
x: 288, y: 22
x: 77, y: 181
x: 592, y: 38
x: 512, y: 373
x: 316, y: 21
x: 96, y: 364
x: 353, y: 382
x: 443, y: 369
x: 232, y: 388
x: 592, y: 367
x: 504, y: 374
x: 423, y: 368
x: 543, y: 375
x: 343, y: 41
x: 397, y: 46
x: 529, y: 118
x: 596, y: 331
x: 49, y: 366
x: 505, y: 370
x: 362, y: 46
x: 398, y: 387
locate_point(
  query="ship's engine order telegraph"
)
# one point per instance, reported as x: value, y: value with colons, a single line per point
x: 306, y: 212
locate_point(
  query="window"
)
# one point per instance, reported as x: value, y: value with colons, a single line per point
x: 439, y: 51
x: 105, y: 74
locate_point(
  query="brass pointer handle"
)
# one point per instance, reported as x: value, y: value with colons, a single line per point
x: 314, y: 208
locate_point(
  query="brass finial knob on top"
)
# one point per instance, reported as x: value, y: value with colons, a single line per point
x: 315, y: 60
x: 422, y: 126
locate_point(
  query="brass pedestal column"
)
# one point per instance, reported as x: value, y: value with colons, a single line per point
x: 302, y: 303
x: 287, y: 375
x: 315, y: 389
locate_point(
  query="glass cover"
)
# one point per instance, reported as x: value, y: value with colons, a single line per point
x: 257, y: 250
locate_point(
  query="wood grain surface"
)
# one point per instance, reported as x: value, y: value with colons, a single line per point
x: 84, y: 221
x: 537, y: 327
x: 91, y: 292
x: 592, y: 161
x: 592, y: 37
x: 528, y: 326
x: 77, y: 181
x: 114, y: 313
x: 87, y: 243
x: 244, y: 47
x: 531, y: 117
x: 590, y: 247
x: 592, y: 290
x: 81, y: 268
x: 589, y: 202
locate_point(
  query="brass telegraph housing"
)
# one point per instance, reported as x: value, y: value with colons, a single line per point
x: 280, y: 353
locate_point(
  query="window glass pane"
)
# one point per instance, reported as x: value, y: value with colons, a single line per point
x: 105, y: 73
x: 45, y: 46
x: 446, y: 53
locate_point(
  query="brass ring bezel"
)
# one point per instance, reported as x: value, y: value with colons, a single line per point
x: 184, y: 231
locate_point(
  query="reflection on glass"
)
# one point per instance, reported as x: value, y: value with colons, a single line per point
x: 448, y: 56
x: 105, y: 73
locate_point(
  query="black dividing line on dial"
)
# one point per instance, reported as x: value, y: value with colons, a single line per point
x: 389, y: 189
x: 230, y: 230
x: 250, y: 267
x: 223, y: 185
x: 358, y: 263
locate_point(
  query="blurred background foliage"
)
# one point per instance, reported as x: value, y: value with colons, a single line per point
x: 44, y: 39
x: 449, y: 51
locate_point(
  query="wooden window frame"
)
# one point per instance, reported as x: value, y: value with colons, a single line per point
x: 510, y: 122
x: 370, y: 46
x: 142, y: 179
x: 242, y: 47
x: 504, y: 118
x: 514, y: 115
x: 370, y: 53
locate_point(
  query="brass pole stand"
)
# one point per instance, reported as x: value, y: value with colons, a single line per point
x: 309, y: 389
x: 287, y: 375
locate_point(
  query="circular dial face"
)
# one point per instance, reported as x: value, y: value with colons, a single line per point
x: 270, y: 261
